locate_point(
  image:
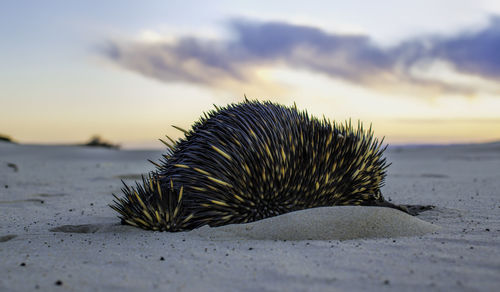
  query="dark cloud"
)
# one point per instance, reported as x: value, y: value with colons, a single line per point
x: 477, y: 52
x: 354, y: 58
x: 349, y: 57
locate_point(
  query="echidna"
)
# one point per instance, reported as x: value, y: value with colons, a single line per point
x: 253, y: 160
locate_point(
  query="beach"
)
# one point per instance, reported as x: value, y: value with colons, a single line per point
x: 57, y: 232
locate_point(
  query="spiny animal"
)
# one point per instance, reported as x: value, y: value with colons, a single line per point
x: 252, y: 160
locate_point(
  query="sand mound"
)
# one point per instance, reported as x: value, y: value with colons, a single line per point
x: 326, y: 223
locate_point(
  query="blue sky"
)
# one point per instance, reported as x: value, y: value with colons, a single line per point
x: 423, y: 72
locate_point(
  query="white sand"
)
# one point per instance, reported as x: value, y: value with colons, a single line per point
x: 340, y: 223
x: 55, y: 225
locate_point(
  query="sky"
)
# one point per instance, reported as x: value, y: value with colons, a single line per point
x: 421, y: 72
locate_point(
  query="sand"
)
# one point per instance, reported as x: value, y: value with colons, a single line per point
x: 58, y: 233
x: 332, y: 223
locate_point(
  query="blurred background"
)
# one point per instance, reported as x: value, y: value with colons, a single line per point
x: 422, y: 72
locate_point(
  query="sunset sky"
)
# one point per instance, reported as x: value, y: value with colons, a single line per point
x: 419, y: 71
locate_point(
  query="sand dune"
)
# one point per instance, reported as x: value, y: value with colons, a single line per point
x: 327, y: 223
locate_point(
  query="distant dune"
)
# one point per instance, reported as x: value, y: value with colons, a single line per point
x: 97, y: 141
x: 5, y: 138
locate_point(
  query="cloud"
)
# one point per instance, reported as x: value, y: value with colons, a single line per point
x: 237, y: 63
x: 476, y: 52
